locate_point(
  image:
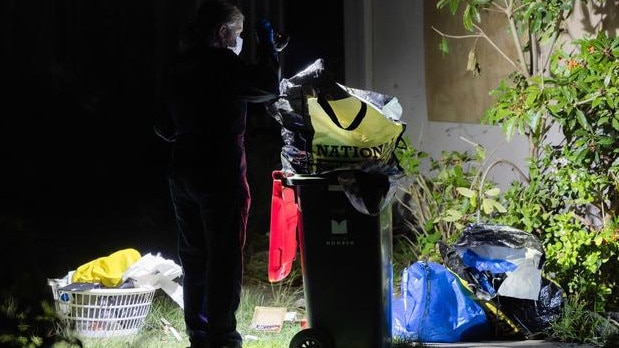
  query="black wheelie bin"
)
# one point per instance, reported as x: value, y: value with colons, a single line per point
x: 345, y: 257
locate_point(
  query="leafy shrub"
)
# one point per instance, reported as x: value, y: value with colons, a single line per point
x: 441, y: 196
x: 572, y: 198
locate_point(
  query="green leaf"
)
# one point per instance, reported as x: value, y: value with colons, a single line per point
x: 487, y: 205
x: 467, y: 17
x: 466, y: 192
x: 531, y: 97
x: 606, y: 141
x: 470, y: 15
x: 452, y: 215
x: 509, y: 127
x: 493, y: 192
x: 443, y: 46
x: 453, y: 6
x: 603, y: 120
x: 498, y: 206
x: 582, y: 119
x: 597, y: 101
x: 534, y: 118
x: 480, y: 152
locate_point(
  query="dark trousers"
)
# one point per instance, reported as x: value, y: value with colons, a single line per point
x: 211, y: 214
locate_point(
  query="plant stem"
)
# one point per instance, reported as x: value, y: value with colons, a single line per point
x: 512, y: 28
x: 480, y: 34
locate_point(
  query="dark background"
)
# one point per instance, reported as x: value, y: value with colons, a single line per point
x: 81, y: 172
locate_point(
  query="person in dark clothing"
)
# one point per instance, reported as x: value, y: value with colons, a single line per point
x: 208, y: 88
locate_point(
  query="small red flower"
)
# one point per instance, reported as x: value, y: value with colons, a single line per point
x: 572, y: 63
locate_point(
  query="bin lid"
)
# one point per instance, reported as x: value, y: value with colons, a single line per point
x: 299, y: 179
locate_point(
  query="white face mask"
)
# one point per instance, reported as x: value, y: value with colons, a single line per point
x: 238, y: 46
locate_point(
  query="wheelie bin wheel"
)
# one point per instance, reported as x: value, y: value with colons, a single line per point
x: 311, y: 338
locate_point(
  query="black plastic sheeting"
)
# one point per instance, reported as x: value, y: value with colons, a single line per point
x: 497, y: 236
x: 512, y: 317
x: 291, y: 111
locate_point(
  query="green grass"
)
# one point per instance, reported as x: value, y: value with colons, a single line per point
x: 579, y: 325
x: 155, y: 335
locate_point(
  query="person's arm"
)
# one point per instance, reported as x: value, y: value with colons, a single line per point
x: 260, y: 82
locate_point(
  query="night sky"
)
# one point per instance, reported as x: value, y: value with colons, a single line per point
x: 82, y: 174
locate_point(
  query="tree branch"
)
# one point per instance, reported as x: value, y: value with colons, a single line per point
x: 512, y: 28
x: 555, y: 37
x: 480, y: 34
x: 511, y: 164
x: 534, y: 51
x: 468, y: 36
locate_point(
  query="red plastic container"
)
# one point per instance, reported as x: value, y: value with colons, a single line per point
x: 283, y: 235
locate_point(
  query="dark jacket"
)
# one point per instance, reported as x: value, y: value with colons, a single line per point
x: 207, y: 91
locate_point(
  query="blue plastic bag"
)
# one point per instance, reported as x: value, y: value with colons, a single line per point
x: 500, y: 249
x: 436, y: 307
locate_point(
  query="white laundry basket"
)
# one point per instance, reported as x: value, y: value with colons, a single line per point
x: 104, y: 312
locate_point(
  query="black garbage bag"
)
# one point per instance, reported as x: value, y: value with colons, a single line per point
x: 503, y: 267
x: 328, y: 127
x: 534, y: 317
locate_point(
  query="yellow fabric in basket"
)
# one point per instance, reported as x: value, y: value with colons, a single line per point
x: 107, y: 270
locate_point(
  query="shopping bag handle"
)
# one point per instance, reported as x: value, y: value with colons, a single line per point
x: 322, y: 101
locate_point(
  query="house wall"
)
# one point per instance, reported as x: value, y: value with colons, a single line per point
x: 397, y: 67
x: 389, y: 58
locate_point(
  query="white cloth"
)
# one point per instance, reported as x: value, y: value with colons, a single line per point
x: 159, y: 273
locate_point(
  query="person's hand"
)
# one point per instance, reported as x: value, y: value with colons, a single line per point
x: 265, y: 33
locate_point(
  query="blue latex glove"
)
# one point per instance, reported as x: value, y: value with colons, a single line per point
x: 265, y: 33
